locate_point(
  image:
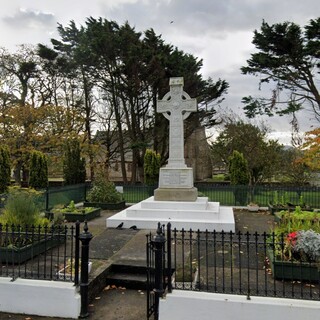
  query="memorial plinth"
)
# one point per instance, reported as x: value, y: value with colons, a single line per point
x: 176, y: 199
x: 176, y: 185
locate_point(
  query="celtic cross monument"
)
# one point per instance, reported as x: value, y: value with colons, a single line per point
x: 176, y: 179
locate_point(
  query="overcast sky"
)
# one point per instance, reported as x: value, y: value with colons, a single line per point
x: 218, y: 31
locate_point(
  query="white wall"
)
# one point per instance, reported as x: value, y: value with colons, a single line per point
x: 209, y: 306
x: 39, y: 297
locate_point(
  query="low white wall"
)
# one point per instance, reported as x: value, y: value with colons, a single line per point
x: 39, y: 297
x: 209, y: 306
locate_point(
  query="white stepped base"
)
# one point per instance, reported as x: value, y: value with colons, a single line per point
x: 199, y: 215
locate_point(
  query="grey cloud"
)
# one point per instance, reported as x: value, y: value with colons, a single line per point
x: 31, y: 19
x: 215, y: 18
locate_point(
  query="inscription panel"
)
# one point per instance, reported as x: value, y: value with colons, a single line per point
x: 176, y: 178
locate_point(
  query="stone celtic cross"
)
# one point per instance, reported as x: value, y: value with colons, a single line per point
x: 176, y: 106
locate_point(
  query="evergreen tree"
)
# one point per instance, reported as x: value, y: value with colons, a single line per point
x: 239, y: 176
x: 5, y: 169
x: 151, y: 167
x: 38, y: 170
x: 74, y: 167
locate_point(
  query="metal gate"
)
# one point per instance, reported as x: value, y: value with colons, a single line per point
x: 158, y: 275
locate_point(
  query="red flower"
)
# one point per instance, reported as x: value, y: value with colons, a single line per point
x: 292, y: 238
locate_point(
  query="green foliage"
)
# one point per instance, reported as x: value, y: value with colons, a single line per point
x: 74, y: 170
x: 38, y: 170
x: 238, y: 169
x: 239, y: 176
x: 298, y: 220
x: 104, y: 191
x: 152, y: 162
x: 21, y: 209
x: 5, y: 170
x: 288, y: 57
x: 308, y: 245
x: 70, y: 208
x: 262, y: 155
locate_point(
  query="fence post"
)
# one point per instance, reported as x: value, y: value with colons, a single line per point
x: 85, y: 238
x: 77, y: 253
x: 169, y: 266
x: 47, y: 199
x: 158, y: 243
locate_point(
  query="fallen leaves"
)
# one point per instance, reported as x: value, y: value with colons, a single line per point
x: 113, y: 287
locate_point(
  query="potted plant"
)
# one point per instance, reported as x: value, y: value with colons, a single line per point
x: 253, y: 207
x: 72, y: 213
x: 24, y: 231
x: 104, y: 195
x: 294, y: 247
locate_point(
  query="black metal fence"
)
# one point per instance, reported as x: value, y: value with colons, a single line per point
x: 47, y: 253
x: 43, y: 253
x: 231, y: 263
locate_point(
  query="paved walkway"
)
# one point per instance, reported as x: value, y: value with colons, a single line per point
x: 109, y: 245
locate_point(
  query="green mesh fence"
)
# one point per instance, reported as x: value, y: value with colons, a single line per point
x: 227, y: 195
x: 63, y: 195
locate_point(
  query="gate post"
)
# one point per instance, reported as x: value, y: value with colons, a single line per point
x: 85, y: 238
x: 158, y: 242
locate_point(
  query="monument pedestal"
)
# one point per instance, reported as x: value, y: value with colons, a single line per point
x: 176, y: 194
x: 176, y: 184
x: 197, y: 215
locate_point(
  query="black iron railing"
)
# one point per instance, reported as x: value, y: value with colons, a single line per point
x: 43, y: 253
x: 47, y: 253
x: 229, y: 263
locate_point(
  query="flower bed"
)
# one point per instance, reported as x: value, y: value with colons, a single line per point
x: 293, y: 270
x: 82, y: 216
x: 294, y: 251
x: 106, y: 206
x: 72, y: 213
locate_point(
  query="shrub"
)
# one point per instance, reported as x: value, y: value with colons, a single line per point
x: 38, y: 170
x: 104, y: 191
x: 238, y: 169
x: 239, y: 176
x: 151, y: 167
x: 5, y: 170
x: 21, y: 209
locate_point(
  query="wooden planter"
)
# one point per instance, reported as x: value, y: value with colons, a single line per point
x: 106, y: 206
x: 74, y: 216
x: 288, y: 270
x: 15, y: 255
